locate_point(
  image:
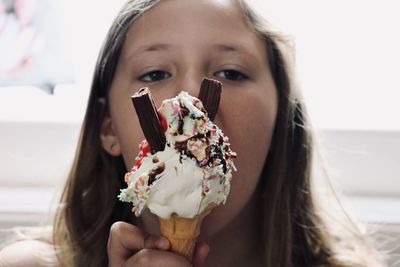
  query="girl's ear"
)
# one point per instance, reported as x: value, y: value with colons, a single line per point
x: 109, y: 140
x: 108, y: 137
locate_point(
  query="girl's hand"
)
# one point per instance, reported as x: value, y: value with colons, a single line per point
x: 129, y: 246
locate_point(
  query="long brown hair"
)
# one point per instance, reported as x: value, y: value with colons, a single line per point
x: 294, y: 233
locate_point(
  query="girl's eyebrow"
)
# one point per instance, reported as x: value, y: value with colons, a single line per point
x: 132, y: 54
x: 234, y: 48
x: 149, y: 47
x: 228, y: 47
x: 154, y: 47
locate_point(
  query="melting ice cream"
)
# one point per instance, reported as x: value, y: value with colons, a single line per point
x: 193, y: 171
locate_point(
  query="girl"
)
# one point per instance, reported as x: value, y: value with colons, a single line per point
x: 272, y: 216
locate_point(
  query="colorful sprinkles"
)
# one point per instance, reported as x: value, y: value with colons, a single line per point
x: 193, y: 135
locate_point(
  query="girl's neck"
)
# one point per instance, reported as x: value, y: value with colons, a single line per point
x: 239, y: 243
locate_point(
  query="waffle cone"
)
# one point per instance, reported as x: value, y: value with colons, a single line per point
x: 182, y: 232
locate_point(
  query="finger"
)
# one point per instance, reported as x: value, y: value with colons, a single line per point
x: 152, y: 257
x: 200, y: 254
x: 126, y: 238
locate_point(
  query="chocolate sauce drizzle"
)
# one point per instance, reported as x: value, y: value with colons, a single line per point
x: 213, y: 152
x: 154, y: 172
x: 183, y: 112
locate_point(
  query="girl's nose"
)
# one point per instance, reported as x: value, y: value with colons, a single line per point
x: 191, y: 84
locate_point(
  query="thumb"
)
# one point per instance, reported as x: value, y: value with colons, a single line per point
x: 200, y: 254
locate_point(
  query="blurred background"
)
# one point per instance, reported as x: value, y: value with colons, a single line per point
x: 348, y: 62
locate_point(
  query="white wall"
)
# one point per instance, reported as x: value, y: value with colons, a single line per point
x: 38, y: 155
x: 347, y: 59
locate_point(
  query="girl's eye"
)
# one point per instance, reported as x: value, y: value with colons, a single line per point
x: 233, y: 75
x: 154, y: 76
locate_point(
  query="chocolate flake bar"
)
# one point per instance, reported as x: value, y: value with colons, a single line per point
x: 149, y: 120
x: 210, y: 96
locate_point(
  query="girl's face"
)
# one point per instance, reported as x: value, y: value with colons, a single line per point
x: 171, y: 48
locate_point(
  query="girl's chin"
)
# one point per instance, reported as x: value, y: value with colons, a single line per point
x: 213, y: 223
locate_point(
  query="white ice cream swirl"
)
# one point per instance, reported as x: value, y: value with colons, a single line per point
x: 193, y: 171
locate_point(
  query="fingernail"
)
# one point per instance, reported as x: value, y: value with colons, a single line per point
x: 162, y: 243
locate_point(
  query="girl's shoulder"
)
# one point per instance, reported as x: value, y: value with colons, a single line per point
x: 27, y: 253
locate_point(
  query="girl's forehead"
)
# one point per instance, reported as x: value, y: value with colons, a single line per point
x: 191, y: 21
x: 198, y: 11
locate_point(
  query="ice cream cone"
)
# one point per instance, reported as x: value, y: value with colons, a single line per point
x: 182, y: 232
x: 184, y: 167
